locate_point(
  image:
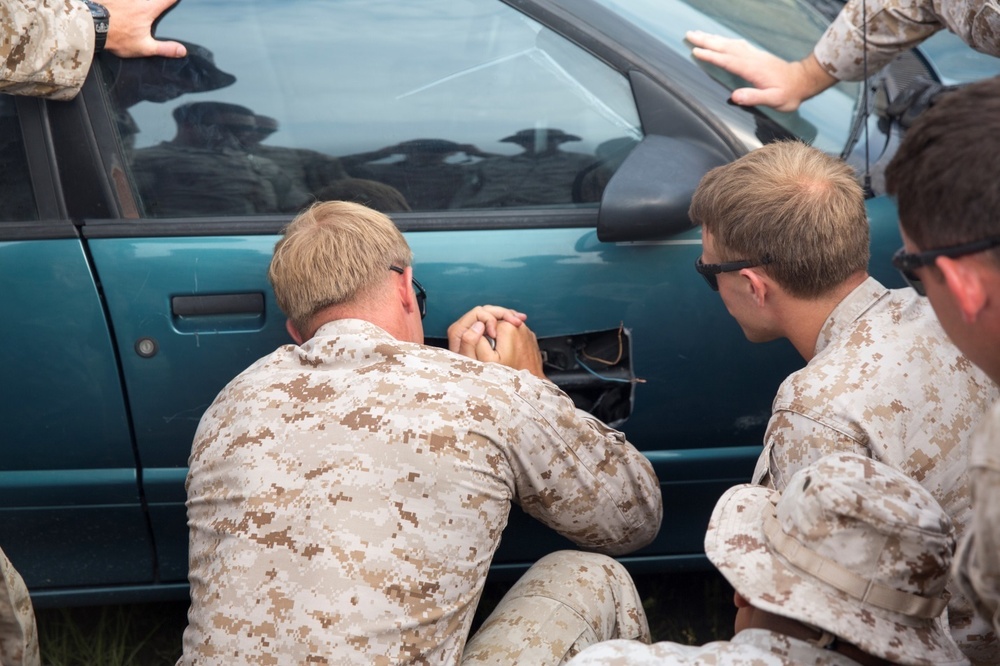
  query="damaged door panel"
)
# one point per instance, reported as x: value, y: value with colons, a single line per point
x: 594, y: 369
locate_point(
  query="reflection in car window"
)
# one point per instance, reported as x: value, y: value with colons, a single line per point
x: 437, y: 105
x: 15, y: 185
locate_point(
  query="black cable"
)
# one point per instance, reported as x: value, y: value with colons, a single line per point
x: 864, y: 99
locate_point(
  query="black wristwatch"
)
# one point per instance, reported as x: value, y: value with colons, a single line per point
x: 102, y: 17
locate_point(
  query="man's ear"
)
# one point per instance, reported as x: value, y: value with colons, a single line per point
x: 757, y: 285
x: 965, y: 284
x: 294, y: 332
x: 407, y: 298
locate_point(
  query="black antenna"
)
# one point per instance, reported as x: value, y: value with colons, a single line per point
x: 864, y: 99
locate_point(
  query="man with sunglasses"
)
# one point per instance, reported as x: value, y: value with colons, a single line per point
x: 786, y: 245
x: 945, y: 180
x: 346, y: 494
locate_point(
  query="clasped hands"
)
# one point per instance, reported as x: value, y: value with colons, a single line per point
x: 514, y: 344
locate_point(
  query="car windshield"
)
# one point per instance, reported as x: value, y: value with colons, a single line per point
x: 787, y: 28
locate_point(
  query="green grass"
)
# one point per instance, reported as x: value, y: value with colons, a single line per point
x: 125, y: 635
x: 691, y: 608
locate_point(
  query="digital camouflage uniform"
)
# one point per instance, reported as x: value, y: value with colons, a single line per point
x: 45, y: 47
x: 346, y: 497
x: 895, y: 26
x: 567, y: 601
x: 750, y: 647
x: 977, y: 563
x: 852, y: 548
x: 887, y: 383
x: 18, y: 632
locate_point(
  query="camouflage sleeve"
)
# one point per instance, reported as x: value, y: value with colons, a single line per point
x: 893, y: 26
x: 793, y: 441
x: 18, y: 633
x: 977, y: 561
x: 47, y: 47
x: 633, y: 653
x: 580, y: 477
x: 762, y: 649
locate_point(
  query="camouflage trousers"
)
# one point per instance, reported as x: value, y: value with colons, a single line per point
x: 565, y: 602
x: 18, y: 633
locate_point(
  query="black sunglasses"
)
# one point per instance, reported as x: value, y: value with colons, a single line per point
x: 711, y: 271
x: 907, y: 262
x: 418, y: 289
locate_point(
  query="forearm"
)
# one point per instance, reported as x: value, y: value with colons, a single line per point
x: 47, y: 50
x: 584, y: 479
x: 977, y: 561
x: 810, y: 78
x: 891, y: 28
x: 631, y: 518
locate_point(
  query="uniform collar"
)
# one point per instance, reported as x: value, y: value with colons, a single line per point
x: 352, y: 327
x: 849, y: 310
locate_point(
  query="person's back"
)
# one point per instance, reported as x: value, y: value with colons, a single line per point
x: 346, y: 494
x: 887, y: 383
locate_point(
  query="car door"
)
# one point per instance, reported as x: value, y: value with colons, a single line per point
x: 490, y: 139
x: 70, y: 500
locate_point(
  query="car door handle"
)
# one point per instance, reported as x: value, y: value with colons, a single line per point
x: 217, y: 304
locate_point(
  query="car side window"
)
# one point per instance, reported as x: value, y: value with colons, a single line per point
x: 18, y: 202
x: 429, y: 106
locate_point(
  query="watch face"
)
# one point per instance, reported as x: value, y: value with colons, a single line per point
x: 99, y: 12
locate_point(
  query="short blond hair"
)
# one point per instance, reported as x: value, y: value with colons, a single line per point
x: 333, y: 253
x: 792, y: 207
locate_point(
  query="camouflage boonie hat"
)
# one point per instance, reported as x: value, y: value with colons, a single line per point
x: 852, y: 547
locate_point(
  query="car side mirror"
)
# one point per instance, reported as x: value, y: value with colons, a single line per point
x: 649, y: 195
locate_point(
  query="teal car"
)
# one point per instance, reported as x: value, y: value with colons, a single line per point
x: 538, y: 154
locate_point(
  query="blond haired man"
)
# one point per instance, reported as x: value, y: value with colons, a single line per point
x: 786, y: 244
x: 346, y: 493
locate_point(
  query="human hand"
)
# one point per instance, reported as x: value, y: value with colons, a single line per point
x: 130, y: 30
x: 467, y: 335
x: 777, y: 83
x: 517, y: 347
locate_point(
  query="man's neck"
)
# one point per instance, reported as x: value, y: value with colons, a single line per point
x: 803, y: 319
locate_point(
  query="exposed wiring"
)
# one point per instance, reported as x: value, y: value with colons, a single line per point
x: 621, y: 350
x: 634, y: 380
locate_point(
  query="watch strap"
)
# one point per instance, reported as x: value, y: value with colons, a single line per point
x: 102, y: 20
